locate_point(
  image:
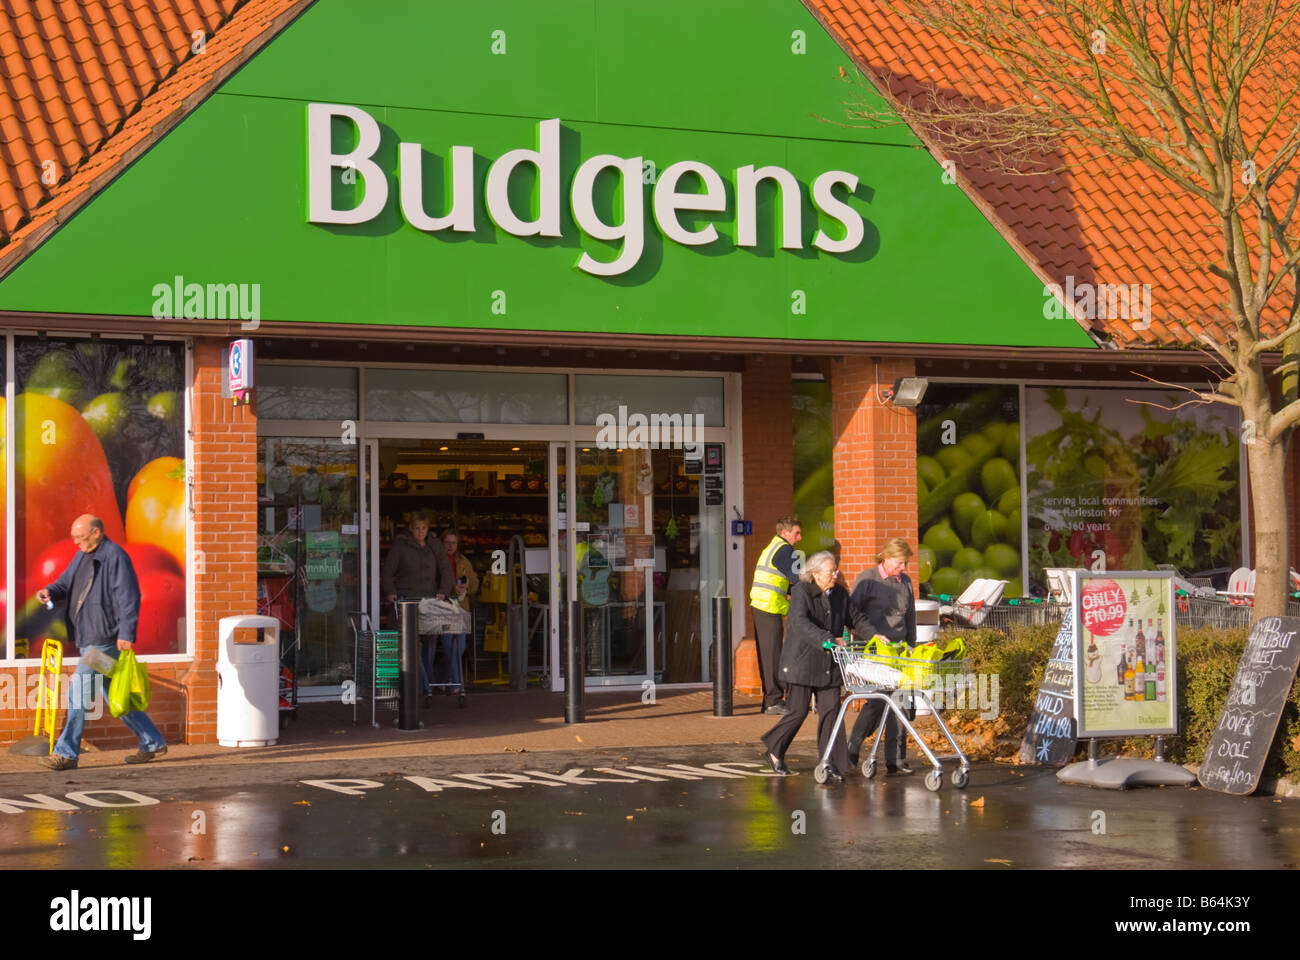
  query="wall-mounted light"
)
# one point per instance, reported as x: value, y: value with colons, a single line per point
x: 908, y: 391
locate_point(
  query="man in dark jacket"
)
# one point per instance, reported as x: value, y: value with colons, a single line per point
x: 103, y: 607
x: 417, y: 566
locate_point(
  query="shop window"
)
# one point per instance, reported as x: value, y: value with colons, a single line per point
x: 1118, y: 481
x: 308, y: 563
x: 454, y: 396
x: 99, y: 429
x: 306, y: 393
x: 814, y: 475
x: 969, y: 499
x: 600, y: 396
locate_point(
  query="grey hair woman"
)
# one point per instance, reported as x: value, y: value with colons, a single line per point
x: 815, y: 563
x: 819, y: 611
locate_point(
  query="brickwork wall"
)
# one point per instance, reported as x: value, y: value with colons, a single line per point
x: 875, y: 461
x: 224, y: 495
x: 767, y: 410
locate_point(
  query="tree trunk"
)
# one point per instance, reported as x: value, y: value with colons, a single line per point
x: 1268, y: 495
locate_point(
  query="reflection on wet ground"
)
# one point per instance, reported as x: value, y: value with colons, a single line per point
x: 422, y: 812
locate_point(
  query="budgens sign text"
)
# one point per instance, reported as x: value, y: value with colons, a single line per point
x: 668, y: 199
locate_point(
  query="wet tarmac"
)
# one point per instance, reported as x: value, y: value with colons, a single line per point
x: 684, y: 807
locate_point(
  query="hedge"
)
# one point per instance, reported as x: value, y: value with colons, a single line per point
x: 1207, y: 662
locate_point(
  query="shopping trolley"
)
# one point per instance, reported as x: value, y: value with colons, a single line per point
x: 376, y: 667
x: 438, y: 617
x: 871, y: 676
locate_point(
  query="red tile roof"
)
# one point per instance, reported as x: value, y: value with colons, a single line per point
x: 87, y: 86
x: 1098, y: 222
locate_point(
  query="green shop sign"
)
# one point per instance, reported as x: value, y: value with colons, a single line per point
x: 578, y: 165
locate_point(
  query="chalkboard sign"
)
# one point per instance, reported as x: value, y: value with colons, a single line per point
x: 1050, y: 737
x: 1235, y: 757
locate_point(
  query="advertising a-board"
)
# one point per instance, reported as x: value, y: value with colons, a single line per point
x: 1125, y: 683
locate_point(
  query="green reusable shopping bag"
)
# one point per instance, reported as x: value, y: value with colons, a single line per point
x: 129, y: 688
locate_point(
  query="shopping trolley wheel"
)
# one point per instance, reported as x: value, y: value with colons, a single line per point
x: 460, y: 702
x: 868, y: 768
x: 821, y: 774
x: 934, y: 780
x: 960, y: 778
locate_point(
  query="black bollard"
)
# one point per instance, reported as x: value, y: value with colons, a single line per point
x: 722, y: 656
x: 575, y: 669
x: 408, y: 690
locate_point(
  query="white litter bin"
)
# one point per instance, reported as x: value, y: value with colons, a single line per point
x: 248, y: 683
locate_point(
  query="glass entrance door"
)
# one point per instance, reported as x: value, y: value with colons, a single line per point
x: 648, y: 528
x: 615, y: 557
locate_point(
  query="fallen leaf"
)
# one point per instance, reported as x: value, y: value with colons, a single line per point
x: 578, y: 738
x: 305, y: 803
x: 973, y: 803
x: 1005, y: 863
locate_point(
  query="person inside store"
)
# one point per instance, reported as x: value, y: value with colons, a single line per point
x: 102, y: 611
x: 769, y: 602
x: 820, y: 609
x: 465, y: 589
x: 417, y: 567
x: 883, y: 595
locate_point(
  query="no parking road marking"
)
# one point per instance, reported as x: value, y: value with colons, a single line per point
x: 573, y: 777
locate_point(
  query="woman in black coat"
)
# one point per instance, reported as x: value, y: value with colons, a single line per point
x: 819, y: 611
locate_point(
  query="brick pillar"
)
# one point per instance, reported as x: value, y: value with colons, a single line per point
x: 875, y: 461
x: 225, y: 529
x: 767, y: 411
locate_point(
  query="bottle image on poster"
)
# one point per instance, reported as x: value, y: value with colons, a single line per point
x: 1124, y: 614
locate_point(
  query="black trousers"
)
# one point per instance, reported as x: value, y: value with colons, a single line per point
x: 769, y: 631
x: 777, y: 740
x: 869, y: 719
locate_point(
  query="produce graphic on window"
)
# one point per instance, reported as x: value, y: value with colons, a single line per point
x: 968, y: 489
x: 1130, y: 484
x: 99, y: 429
x: 813, y: 450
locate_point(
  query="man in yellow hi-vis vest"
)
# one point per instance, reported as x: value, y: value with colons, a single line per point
x: 770, y: 599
